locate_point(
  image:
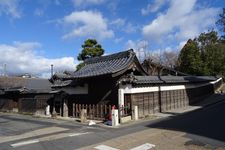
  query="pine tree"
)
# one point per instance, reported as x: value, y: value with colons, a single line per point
x: 91, y: 48
x: 189, y: 59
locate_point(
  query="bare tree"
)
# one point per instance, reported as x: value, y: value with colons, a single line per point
x: 166, y: 58
x: 169, y: 58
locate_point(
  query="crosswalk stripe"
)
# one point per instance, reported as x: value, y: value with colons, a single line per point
x: 105, y: 147
x: 25, y: 143
x: 48, y: 138
x: 77, y: 134
x: 145, y: 146
x: 39, y: 132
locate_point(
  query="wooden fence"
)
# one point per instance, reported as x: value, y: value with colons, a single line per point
x: 94, y: 111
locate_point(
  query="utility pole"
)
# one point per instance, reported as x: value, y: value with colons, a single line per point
x: 5, y: 70
x: 145, y: 49
x: 51, y: 70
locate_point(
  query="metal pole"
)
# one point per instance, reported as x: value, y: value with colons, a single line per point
x: 4, y: 69
x: 51, y: 70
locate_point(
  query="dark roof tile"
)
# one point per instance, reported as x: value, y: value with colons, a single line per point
x: 31, y: 84
x: 172, y: 79
x: 105, y: 64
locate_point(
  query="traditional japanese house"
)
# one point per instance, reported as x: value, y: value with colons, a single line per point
x: 119, y: 79
x: 25, y: 95
x: 97, y: 81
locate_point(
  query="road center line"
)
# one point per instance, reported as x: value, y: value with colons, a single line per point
x: 24, y: 143
x: 145, y: 146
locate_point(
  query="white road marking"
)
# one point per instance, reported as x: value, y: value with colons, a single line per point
x: 48, y: 138
x: 77, y: 134
x: 105, y: 147
x: 145, y: 146
x: 25, y: 143
x: 34, y: 133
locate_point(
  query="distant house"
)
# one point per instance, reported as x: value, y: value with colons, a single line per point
x: 119, y: 79
x: 25, y: 95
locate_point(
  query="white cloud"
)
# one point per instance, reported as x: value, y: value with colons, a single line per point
x: 10, y: 8
x: 23, y: 58
x: 118, y: 22
x: 130, y: 28
x: 139, y: 44
x: 140, y: 47
x: 43, y: 5
x: 87, y: 2
x: 182, y: 19
x: 113, y: 6
x: 153, y: 7
x: 87, y: 24
x: 39, y: 12
x: 124, y: 25
x: 131, y: 44
x: 118, y: 40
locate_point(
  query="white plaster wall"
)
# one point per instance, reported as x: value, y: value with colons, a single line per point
x: 121, y: 97
x: 128, y: 89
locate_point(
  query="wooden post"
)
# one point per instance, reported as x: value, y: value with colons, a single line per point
x: 97, y: 111
x: 65, y: 108
x: 110, y: 109
x: 86, y: 107
x: 93, y: 108
x: 101, y: 112
x: 79, y: 109
x: 153, y: 103
x: 73, y: 110
x: 76, y: 107
x: 105, y: 112
x: 83, y: 115
x: 90, y: 111
x: 135, y: 113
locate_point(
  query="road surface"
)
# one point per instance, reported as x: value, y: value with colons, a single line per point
x: 200, y: 129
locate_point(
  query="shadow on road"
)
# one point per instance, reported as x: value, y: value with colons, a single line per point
x: 207, y: 122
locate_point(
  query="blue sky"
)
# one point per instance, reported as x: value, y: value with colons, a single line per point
x: 37, y: 33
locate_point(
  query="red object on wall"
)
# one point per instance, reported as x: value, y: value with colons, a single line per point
x: 113, y: 107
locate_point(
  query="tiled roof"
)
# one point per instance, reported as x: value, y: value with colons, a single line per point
x: 34, y: 85
x: 104, y: 65
x: 60, y: 83
x: 171, y: 79
x: 61, y: 76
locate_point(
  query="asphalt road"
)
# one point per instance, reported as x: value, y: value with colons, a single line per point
x: 207, y: 125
